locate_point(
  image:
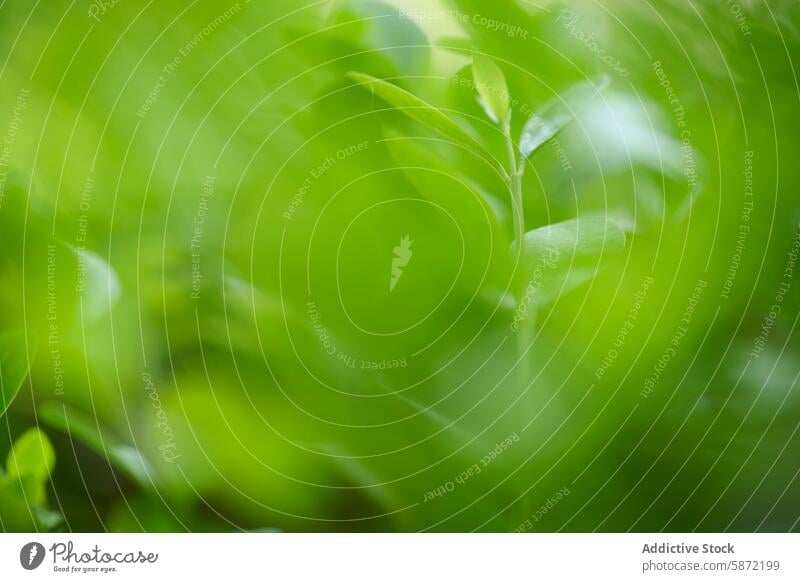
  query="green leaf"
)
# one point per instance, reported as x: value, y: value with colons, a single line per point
x: 87, y: 430
x: 31, y: 489
x: 490, y: 83
x: 47, y: 518
x: 415, y: 108
x: 97, y: 282
x: 562, y: 281
x: 435, y: 179
x: 562, y: 256
x: 15, y: 513
x: 22, y: 506
x: 31, y: 456
x: 385, y: 31
x: 556, y: 114
x: 579, y: 237
x: 22, y: 488
x: 14, y: 367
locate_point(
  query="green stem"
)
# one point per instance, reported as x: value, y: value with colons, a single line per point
x: 515, y: 184
x: 523, y: 335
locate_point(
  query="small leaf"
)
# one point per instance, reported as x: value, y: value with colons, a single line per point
x: 556, y: 114
x: 433, y: 178
x: 98, y: 283
x: 415, y: 108
x: 14, y: 367
x: 87, y: 430
x: 31, y: 489
x: 562, y: 281
x: 562, y: 256
x: 15, y: 513
x: 579, y: 237
x: 31, y: 456
x: 47, y: 518
x: 22, y: 506
x: 386, y: 31
x: 490, y: 83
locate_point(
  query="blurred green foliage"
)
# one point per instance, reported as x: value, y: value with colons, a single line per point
x: 198, y: 212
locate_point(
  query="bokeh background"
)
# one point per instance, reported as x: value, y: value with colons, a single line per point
x: 198, y: 217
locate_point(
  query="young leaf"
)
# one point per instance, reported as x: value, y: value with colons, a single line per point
x: 579, y: 237
x: 22, y: 505
x: 87, y: 430
x: 490, y: 83
x: 31, y: 456
x: 15, y: 512
x: 556, y: 114
x: 431, y: 175
x: 48, y: 519
x: 14, y: 367
x: 30, y: 488
x: 562, y: 256
x: 99, y: 285
x: 415, y: 108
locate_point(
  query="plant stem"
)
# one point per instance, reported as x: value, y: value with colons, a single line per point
x: 515, y: 184
x: 524, y: 335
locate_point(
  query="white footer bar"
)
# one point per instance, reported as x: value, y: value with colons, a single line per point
x: 401, y: 557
